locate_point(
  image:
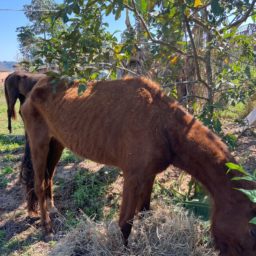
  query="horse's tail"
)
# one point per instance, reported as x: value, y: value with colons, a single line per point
x: 27, y: 179
x: 7, y: 97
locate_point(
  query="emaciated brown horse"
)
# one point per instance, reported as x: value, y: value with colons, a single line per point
x: 131, y: 124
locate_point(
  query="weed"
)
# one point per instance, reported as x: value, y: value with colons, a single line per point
x: 68, y: 157
x: 9, y: 143
x: 12, y: 244
x: 193, y: 198
x: 90, y: 190
x: 59, y: 184
x: 52, y: 243
x: 9, y: 158
x: 71, y: 219
x: 3, y: 176
x: 234, y: 112
x: 2, y: 238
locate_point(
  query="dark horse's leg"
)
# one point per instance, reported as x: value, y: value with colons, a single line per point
x: 22, y: 100
x: 54, y: 154
x: 11, y: 110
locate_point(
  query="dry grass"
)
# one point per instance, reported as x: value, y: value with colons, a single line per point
x: 164, y: 231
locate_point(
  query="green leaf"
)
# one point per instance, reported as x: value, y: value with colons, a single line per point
x: 172, y: 12
x: 81, y: 89
x: 65, y: 18
x: 248, y: 72
x: 118, y: 13
x: 76, y: 8
x: 94, y: 75
x: 236, y: 167
x: 109, y: 9
x: 248, y: 178
x: 143, y: 6
x: 217, y: 10
x: 253, y: 221
x: 251, y: 194
x: 254, y: 17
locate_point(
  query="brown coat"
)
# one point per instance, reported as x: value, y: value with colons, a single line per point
x: 131, y: 124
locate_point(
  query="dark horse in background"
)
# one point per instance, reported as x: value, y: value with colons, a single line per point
x: 17, y: 86
x: 133, y: 125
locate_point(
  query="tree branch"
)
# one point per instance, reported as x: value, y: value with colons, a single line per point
x: 193, y: 97
x: 195, y: 54
x: 118, y: 67
x: 134, y: 9
x: 242, y: 19
x: 200, y: 23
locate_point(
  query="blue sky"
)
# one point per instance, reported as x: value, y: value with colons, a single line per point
x: 10, y: 20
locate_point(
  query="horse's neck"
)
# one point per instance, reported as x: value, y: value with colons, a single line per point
x: 201, y: 153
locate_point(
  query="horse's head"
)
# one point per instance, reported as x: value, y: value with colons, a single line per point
x: 233, y: 233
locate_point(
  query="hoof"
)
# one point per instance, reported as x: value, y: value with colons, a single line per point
x: 48, y: 237
x: 54, y: 213
x: 31, y: 220
x: 33, y: 214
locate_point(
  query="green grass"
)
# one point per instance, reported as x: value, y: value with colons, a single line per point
x: 234, y: 112
x: 68, y: 157
x: 10, y: 144
x: 19, y: 245
x: 4, y: 176
x: 90, y: 191
x: 2, y: 238
x: 194, y: 199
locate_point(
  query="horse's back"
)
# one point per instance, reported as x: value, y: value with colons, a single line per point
x: 112, y: 122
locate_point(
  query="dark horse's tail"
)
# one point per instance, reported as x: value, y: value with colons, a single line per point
x: 27, y: 178
x: 7, y: 97
x: 10, y: 109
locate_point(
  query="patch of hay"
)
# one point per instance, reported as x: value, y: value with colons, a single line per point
x: 164, y: 231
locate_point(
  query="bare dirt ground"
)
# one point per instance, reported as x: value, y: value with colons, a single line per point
x: 20, y: 235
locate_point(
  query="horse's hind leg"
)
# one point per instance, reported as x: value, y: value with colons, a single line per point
x: 22, y: 100
x: 11, y: 111
x: 39, y: 142
x: 39, y: 152
x: 54, y: 154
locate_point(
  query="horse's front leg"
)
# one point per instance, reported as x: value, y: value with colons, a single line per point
x: 128, y: 207
x: 145, y: 190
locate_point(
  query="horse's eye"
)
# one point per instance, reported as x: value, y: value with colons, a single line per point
x: 253, y: 232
